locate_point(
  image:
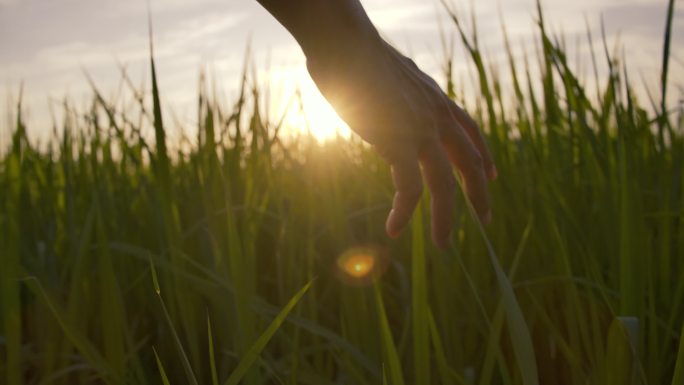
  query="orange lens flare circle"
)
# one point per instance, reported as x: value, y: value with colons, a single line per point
x: 361, y: 265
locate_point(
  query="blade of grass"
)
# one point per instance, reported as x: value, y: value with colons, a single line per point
x: 678, y: 376
x: 519, y: 332
x: 446, y: 374
x: 255, y: 350
x: 420, y: 309
x: 212, y: 359
x: 162, y: 372
x: 493, y: 349
x: 112, y: 310
x: 665, y: 69
x: 82, y: 344
x: 10, y: 298
x: 620, y: 361
x: 162, y: 157
x: 176, y: 339
x: 391, y: 356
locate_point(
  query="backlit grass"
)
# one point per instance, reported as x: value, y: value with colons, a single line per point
x: 126, y: 259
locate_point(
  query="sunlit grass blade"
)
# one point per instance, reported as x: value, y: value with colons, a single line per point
x: 255, y: 350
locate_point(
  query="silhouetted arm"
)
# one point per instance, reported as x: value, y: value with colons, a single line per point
x: 392, y: 104
x: 317, y: 25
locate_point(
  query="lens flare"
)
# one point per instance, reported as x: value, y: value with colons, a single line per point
x: 361, y: 265
x: 358, y: 265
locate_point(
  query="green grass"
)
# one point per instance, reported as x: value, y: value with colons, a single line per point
x: 240, y: 233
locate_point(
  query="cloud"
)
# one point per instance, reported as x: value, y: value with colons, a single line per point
x: 46, y: 43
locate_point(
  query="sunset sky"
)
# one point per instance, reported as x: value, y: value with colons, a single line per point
x: 47, y: 44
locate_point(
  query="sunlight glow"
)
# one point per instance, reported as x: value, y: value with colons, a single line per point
x: 358, y: 265
x: 317, y: 116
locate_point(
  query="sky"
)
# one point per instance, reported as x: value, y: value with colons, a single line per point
x: 49, y: 45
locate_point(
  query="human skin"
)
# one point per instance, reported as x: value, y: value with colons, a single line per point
x: 388, y: 101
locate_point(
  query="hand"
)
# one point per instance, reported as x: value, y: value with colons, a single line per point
x: 402, y: 112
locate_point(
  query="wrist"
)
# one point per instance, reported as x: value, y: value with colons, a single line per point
x: 337, y: 32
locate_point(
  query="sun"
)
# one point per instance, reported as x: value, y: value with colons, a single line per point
x: 316, y: 116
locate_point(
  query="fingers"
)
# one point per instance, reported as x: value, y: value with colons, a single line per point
x: 470, y: 163
x: 440, y: 179
x: 476, y: 137
x: 409, y: 187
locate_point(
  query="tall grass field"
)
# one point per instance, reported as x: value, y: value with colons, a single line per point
x: 247, y: 256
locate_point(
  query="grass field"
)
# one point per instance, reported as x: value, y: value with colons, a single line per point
x: 241, y: 257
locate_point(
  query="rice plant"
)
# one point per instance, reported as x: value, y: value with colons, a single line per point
x: 241, y: 256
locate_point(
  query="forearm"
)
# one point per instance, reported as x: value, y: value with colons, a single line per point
x: 322, y: 26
